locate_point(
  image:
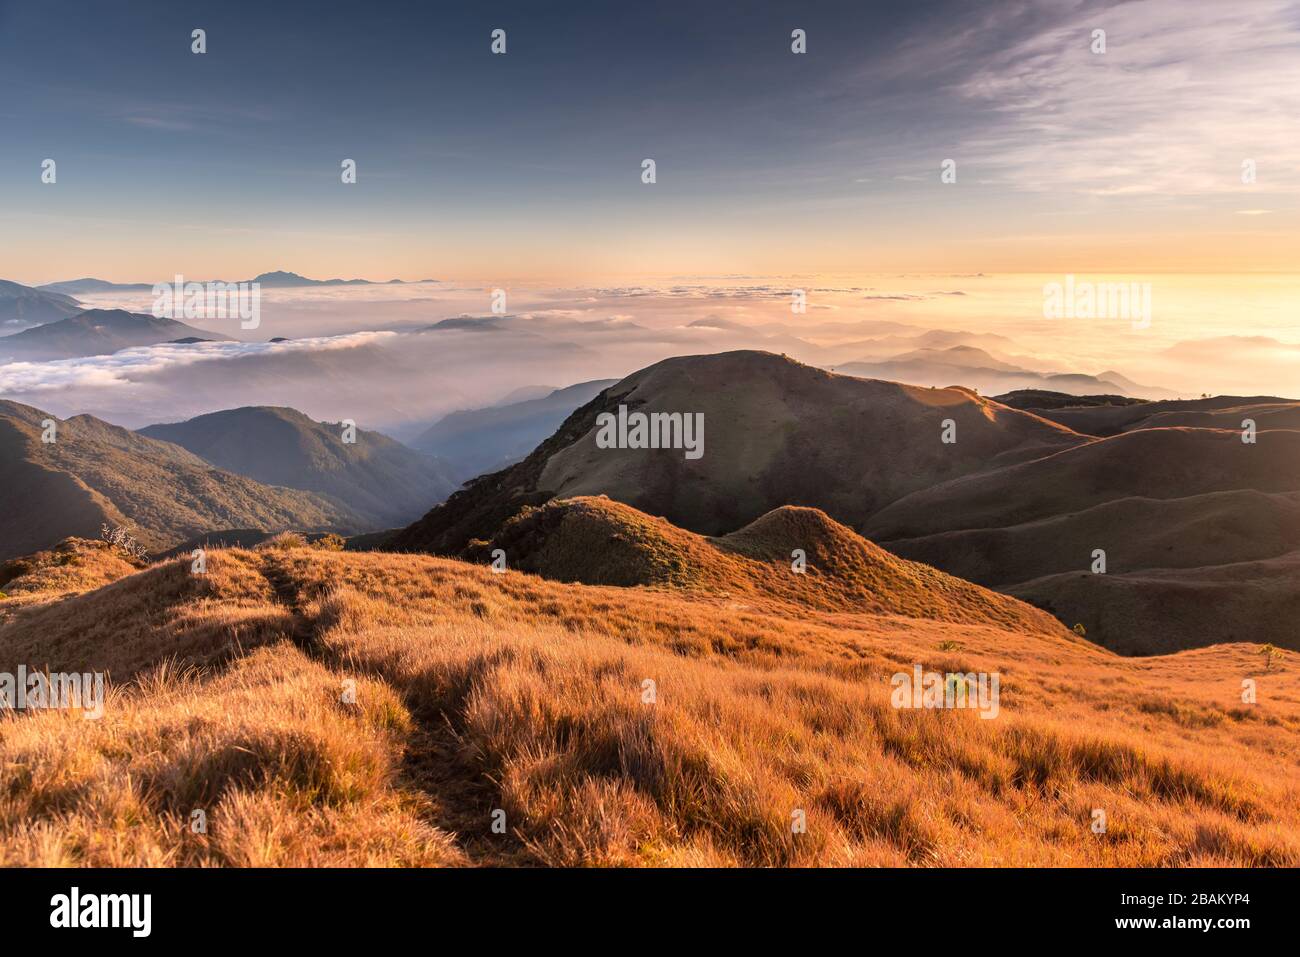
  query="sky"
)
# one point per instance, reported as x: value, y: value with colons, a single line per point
x: 527, y: 166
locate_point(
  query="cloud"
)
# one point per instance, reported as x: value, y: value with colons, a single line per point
x: 407, y: 375
x: 1234, y: 348
x: 141, y: 362
x: 717, y: 323
x: 1182, y: 96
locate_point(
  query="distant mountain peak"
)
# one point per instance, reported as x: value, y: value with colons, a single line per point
x: 280, y: 276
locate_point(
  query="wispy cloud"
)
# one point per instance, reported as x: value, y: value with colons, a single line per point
x: 1183, y: 94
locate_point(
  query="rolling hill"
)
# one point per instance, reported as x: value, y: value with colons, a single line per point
x: 96, y: 473
x: 1157, y: 464
x: 1093, y: 416
x: 376, y: 478
x: 1185, y: 516
x: 97, y: 332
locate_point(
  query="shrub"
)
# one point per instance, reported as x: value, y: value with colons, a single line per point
x: 284, y: 540
x: 123, y: 541
x: 330, y: 543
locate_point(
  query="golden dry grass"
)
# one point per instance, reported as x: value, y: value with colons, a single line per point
x: 477, y: 691
x: 74, y: 565
x: 599, y: 541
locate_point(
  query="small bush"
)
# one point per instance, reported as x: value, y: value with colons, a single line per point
x: 284, y: 540
x: 122, y: 540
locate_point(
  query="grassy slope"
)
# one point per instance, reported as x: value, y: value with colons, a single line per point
x: 599, y: 541
x: 1169, y: 609
x: 1162, y: 464
x: 1224, y: 527
x: 478, y: 691
x: 74, y: 565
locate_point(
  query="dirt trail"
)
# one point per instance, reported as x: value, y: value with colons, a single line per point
x: 460, y: 797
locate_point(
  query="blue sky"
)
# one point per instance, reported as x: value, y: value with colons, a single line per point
x: 529, y: 163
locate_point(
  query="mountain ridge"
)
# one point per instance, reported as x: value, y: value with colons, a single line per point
x: 25, y: 305
x: 97, y: 332
x: 598, y: 541
x: 95, y: 473
x: 779, y: 436
x: 274, y: 278
x: 375, y: 477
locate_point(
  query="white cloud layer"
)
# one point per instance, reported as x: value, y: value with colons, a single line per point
x: 132, y: 365
x: 411, y: 373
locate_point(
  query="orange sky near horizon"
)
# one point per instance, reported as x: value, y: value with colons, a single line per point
x: 129, y: 252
